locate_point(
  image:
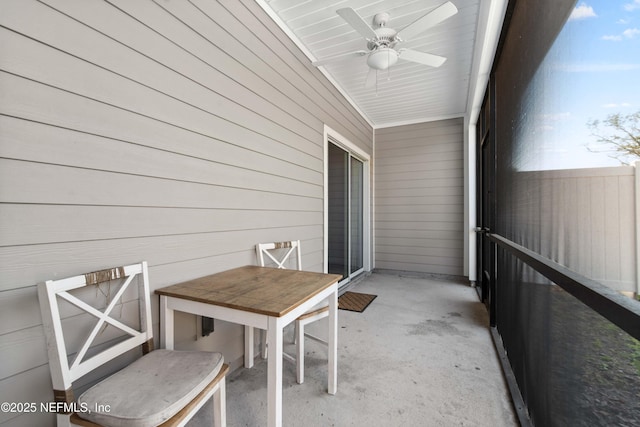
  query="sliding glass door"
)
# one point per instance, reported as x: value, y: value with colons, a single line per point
x: 345, y: 213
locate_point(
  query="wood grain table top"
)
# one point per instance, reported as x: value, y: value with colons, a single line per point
x: 263, y: 290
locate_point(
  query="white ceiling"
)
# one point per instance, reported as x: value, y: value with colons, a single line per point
x: 408, y: 92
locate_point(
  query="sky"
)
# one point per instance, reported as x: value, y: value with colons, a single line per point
x: 591, y: 72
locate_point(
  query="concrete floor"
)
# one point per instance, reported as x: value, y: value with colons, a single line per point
x: 420, y: 355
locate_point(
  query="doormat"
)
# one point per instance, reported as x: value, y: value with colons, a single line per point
x: 354, y: 301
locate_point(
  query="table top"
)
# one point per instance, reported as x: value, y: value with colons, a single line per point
x: 263, y: 290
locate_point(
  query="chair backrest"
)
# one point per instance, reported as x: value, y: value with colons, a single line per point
x: 85, y: 288
x: 280, y: 253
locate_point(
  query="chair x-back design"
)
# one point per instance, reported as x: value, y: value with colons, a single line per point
x: 280, y: 254
x: 280, y: 260
x: 162, y: 386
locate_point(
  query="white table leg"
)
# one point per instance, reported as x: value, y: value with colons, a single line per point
x: 274, y: 373
x: 333, y: 342
x: 166, y: 324
x: 248, y: 346
x: 299, y: 334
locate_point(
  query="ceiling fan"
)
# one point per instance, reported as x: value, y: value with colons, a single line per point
x: 382, y: 41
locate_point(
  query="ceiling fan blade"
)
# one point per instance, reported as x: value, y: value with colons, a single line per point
x: 340, y: 57
x: 437, y: 15
x: 421, y: 57
x: 372, y: 76
x: 357, y: 23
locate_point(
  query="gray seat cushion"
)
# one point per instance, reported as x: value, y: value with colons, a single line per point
x: 152, y: 389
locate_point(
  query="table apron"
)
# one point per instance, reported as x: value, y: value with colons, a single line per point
x: 248, y: 318
x: 242, y: 317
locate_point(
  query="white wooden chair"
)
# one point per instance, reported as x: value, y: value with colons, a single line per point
x: 279, y: 254
x: 163, y: 387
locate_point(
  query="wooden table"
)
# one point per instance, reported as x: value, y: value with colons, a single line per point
x: 257, y: 297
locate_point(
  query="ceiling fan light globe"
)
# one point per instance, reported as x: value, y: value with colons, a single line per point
x: 382, y: 59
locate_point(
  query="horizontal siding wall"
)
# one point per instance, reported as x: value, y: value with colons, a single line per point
x: 180, y: 133
x: 419, y: 203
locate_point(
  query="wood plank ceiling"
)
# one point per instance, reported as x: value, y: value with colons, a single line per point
x: 407, y: 92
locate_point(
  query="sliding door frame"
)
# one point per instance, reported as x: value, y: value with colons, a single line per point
x: 331, y: 136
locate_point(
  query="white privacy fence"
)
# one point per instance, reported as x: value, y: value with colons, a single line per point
x: 587, y: 220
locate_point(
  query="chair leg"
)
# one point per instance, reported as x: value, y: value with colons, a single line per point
x: 64, y: 420
x: 220, y: 405
x: 264, y: 346
x: 299, y: 352
x: 295, y: 332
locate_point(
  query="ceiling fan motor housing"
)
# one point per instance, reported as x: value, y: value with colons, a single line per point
x: 382, y: 54
x: 385, y: 37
